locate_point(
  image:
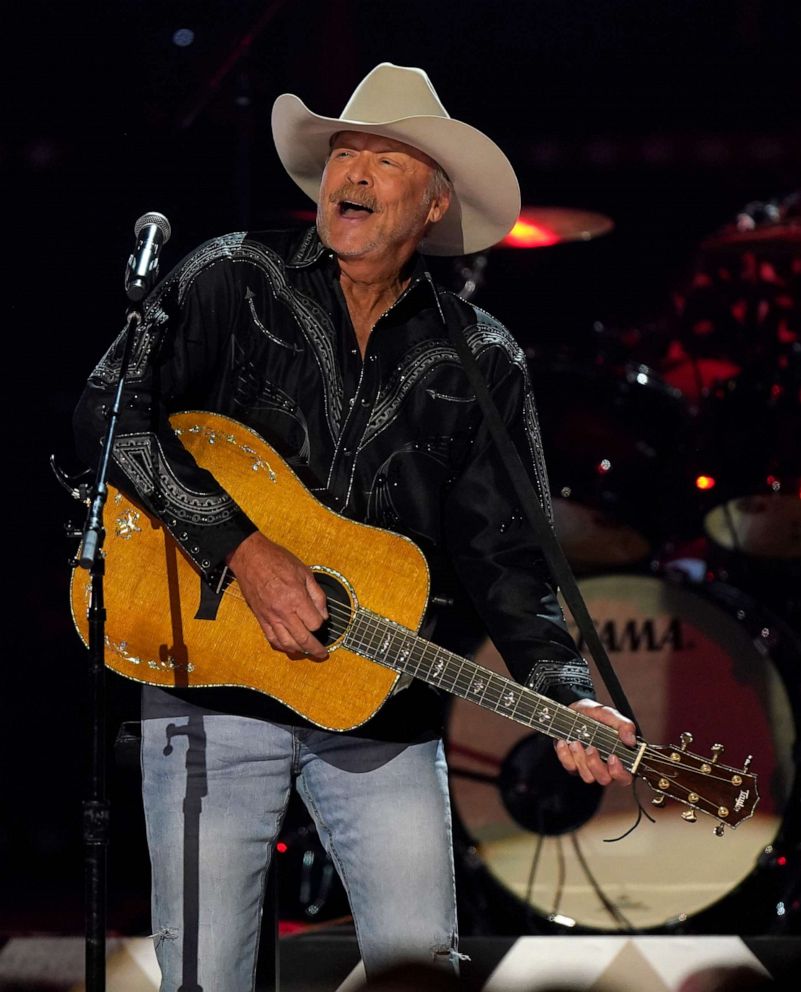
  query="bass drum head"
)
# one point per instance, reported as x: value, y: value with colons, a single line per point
x: 705, y: 660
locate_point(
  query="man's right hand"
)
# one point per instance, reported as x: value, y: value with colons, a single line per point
x: 283, y: 594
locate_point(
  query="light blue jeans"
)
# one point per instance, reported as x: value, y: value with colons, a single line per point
x: 216, y: 788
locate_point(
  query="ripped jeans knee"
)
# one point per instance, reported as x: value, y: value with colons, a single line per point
x: 448, y: 955
x: 164, y: 933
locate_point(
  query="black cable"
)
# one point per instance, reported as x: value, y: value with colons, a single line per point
x: 607, y: 903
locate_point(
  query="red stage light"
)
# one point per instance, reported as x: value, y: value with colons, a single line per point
x: 538, y: 227
x: 526, y: 234
x: 281, y: 847
x: 704, y: 482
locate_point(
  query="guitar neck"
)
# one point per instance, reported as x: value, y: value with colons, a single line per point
x: 389, y: 644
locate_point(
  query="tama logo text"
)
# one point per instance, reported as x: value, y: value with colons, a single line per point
x: 641, y: 634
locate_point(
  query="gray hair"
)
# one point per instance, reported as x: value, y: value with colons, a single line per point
x: 439, y: 183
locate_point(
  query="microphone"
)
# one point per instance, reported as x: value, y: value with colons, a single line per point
x: 152, y: 231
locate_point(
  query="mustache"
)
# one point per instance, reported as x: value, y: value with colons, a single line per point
x: 354, y: 194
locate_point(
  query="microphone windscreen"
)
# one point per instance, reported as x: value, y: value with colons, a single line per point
x: 159, y: 220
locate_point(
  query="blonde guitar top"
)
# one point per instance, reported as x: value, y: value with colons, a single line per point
x: 152, y: 590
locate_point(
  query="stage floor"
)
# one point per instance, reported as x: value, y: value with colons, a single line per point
x: 328, y: 961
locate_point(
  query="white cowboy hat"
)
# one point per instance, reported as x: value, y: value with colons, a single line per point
x: 400, y: 102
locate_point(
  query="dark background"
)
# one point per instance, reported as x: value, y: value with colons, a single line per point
x: 668, y: 117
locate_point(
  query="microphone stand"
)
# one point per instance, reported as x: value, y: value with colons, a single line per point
x: 96, y: 807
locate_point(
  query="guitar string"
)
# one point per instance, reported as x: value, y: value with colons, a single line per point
x: 604, y: 738
x: 370, y: 624
x: 374, y: 625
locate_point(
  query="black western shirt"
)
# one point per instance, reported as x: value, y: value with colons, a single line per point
x: 254, y: 326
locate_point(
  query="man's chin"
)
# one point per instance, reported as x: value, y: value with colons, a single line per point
x: 347, y: 247
x: 362, y: 252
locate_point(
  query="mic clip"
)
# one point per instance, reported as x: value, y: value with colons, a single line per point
x: 77, y: 489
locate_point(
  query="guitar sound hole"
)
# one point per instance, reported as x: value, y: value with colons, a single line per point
x: 339, y: 609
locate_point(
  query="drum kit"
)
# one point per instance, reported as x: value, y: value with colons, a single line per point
x: 676, y: 500
x: 675, y: 467
x: 650, y: 443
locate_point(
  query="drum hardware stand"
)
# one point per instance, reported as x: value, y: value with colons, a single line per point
x: 471, y: 273
x: 732, y: 527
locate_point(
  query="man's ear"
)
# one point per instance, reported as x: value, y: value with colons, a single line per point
x: 439, y: 207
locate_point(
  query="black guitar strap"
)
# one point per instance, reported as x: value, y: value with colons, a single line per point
x: 540, y: 524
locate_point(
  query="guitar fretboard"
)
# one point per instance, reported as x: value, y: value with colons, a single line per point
x: 386, y: 643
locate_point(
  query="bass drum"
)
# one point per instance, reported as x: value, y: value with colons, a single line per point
x: 705, y: 660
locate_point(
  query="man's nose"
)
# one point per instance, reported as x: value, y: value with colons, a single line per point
x: 359, y: 174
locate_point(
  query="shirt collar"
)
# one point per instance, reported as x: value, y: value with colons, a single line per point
x: 308, y: 250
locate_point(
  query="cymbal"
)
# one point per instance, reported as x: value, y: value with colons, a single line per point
x: 770, y: 235
x: 539, y: 227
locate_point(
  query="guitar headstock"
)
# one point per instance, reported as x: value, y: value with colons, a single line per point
x: 703, y: 784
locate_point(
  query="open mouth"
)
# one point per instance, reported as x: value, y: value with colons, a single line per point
x: 349, y: 208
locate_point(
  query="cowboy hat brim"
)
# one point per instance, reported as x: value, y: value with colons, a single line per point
x: 486, y: 196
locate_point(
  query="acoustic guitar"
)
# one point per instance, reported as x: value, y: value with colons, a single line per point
x: 166, y: 627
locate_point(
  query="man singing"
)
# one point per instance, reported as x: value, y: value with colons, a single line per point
x: 333, y: 344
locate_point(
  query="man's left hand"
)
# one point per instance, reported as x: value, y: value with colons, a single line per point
x: 587, y: 762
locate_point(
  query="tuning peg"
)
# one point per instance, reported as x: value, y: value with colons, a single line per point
x: 719, y: 829
x: 717, y: 750
x: 685, y: 738
x: 689, y: 815
x: 748, y: 761
x: 658, y: 801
